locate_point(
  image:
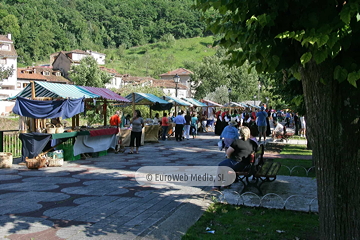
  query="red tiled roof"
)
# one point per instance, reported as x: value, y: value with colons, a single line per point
x: 179, y: 71
x: 161, y: 83
x: 12, y: 52
x: 72, y: 51
x: 167, y: 84
x: 29, y: 74
x: 4, y: 38
x: 111, y: 71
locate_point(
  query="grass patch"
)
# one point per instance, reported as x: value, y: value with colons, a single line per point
x: 296, y: 167
x: 297, y: 137
x: 240, y: 222
x: 296, y: 150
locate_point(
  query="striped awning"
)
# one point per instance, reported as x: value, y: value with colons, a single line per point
x: 233, y: 104
x: 146, y: 98
x: 106, y: 94
x: 211, y: 103
x: 195, y: 102
x: 178, y: 101
x: 56, y: 90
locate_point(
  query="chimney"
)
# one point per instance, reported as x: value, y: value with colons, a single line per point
x: 9, y: 36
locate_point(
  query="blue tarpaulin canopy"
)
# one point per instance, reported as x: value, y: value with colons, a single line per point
x: 48, y: 109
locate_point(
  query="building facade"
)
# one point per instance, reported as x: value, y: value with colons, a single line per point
x: 185, y: 79
x: 8, y: 59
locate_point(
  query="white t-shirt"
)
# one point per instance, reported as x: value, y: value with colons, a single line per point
x: 279, y: 128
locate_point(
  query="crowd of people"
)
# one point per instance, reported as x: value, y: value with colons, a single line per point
x: 227, y: 124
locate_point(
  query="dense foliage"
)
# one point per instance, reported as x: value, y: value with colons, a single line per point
x: 317, y: 42
x: 87, y: 73
x: 41, y: 27
x: 212, y: 72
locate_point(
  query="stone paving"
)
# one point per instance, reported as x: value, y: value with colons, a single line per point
x: 98, y: 198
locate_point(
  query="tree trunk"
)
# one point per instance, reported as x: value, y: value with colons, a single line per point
x: 333, y: 112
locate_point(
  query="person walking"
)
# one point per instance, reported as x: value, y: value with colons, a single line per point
x: 179, y: 120
x: 194, y: 125
x: 187, y: 125
x: 261, y: 122
x: 137, y: 126
x: 164, y: 126
x: 115, y: 122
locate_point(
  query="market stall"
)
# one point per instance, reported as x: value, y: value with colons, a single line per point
x: 150, y: 131
x: 177, y: 102
x: 57, y: 101
x: 210, y: 110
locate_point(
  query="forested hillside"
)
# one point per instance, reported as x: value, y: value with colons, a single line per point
x: 42, y: 27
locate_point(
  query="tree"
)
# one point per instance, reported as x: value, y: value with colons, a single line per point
x: 212, y: 72
x: 87, y: 73
x: 318, y: 42
x: 6, y: 72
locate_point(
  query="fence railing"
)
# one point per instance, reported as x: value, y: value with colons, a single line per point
x: 10, y: 142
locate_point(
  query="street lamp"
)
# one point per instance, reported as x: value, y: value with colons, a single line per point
x: 229, y: 91
x: 176, y: 80
x: 254, y: 99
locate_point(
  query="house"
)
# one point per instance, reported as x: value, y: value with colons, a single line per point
x: 8, y: 59
x: 39, y: 73
x: 63, y: 60
x: 168, y: 87
x: 115, y: 81
x: 185, y: 78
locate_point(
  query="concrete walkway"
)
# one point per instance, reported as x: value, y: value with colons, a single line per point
x: 98, y: 198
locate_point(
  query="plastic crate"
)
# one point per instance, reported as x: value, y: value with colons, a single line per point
x: 69, y: 153
x: 103, y: 153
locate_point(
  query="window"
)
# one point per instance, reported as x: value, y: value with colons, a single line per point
x: 25, y: 84
x: 5, y: 47
x: 58, y: 74
x: 46, y: 73
x: 3, y: 61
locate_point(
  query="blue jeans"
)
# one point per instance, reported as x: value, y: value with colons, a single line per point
x: 236, y: 166
x: 164, y: 133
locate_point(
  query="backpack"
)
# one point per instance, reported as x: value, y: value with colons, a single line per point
x: 274, y: 115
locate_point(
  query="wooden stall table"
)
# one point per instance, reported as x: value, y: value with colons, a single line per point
x: 125, y: 134
x: 152, y: 133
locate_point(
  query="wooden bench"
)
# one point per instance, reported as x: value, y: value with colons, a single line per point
x: 264, y: 171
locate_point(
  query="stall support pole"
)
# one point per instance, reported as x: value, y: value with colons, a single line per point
x: 73, y: 123
x: 77, y: 120
x: 150, y: 113
x: 133, y: 103
x: 105, y: 112
x: 33, y: 124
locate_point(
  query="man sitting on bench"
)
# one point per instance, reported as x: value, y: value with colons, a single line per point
x: 238, y: 154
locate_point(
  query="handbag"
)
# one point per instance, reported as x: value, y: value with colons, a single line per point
x: 221, y: 145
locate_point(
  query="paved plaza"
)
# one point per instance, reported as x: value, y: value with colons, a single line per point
x: 98, y: 198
